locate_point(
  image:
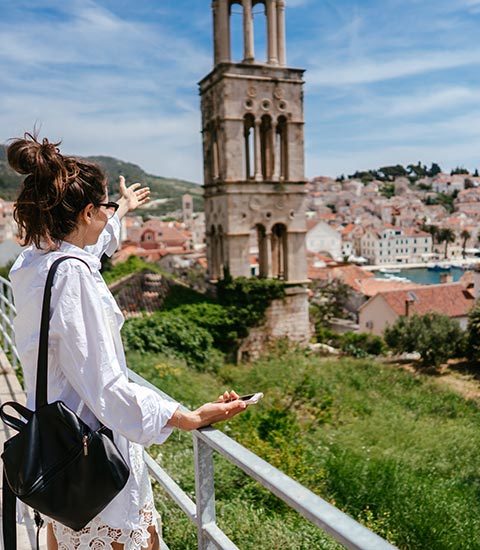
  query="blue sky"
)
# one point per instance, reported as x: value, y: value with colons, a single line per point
x: 387, y: 80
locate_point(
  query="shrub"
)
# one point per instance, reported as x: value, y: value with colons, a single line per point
x: 219, y: 321
x: 362, y: 344
x: 435, y: 337
x: 473, y: 335
x: 171, y: 333
x: 179, y: 295
x: 327, y: 336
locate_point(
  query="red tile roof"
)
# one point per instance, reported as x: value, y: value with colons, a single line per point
x: 451, y: 299
x: 370, y: 287
x: 351, y: 275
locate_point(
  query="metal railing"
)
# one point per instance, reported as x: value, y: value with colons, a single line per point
x: 7, y: 314
x: 331, y: 520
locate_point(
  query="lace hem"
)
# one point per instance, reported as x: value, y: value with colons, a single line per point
x: 96, y: 536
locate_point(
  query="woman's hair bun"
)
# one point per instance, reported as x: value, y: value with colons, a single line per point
x: 28, y: 156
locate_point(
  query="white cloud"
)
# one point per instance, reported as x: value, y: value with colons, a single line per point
x: 438, y: 100
x: 371, y: 70
x: 106, y: 86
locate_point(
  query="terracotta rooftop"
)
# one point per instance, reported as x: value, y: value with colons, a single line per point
x: 370, y: 287
x: 451, y: 299
x: 351, y: 275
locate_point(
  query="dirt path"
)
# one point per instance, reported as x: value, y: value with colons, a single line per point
x: 455, y: 376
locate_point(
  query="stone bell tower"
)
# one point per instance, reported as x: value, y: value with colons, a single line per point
x: 253, y: 147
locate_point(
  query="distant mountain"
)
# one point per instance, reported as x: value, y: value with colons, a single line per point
x: 170, y: 189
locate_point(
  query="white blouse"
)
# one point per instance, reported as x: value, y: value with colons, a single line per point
x: 87, y: 369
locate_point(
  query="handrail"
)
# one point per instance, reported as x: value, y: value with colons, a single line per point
x: 333, y: 521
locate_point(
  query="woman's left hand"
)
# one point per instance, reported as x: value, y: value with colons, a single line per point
x: 227, y: 397
x: 132, y: 197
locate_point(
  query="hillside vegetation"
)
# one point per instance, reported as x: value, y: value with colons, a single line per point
x: 389, y: 448
x: 162, y: 188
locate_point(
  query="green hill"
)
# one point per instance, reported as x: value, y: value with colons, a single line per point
x: 169, y: 189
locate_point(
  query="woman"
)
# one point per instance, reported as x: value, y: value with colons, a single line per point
x: 63, y: 209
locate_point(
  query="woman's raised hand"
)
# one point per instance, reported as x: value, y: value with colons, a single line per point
x: 131, y: 197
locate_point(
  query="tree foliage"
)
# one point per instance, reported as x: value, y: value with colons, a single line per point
x: 459, y: 170
x: 447, y: 236
x: 172, y: 335
x: 329, y: 301
x: 435, y: 337
x: 473, y: 334
x: 200, y: 328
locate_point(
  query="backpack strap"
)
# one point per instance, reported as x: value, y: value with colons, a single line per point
x: 42, y: 363
x: 9, y: 516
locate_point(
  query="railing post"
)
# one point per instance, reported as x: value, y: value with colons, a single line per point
x: 204, y: 490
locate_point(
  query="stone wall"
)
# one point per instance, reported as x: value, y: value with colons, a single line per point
x: 285, y: 318
x: 141, y: 293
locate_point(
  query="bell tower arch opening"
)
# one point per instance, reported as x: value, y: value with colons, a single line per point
x: 234, y: 27
x: 263, y: 252
x: 279, y: 252
x: 260, y: 28
x: 249, y: 146
x: 237, y: 31
x: 281, y: 148
x: 267, y: 146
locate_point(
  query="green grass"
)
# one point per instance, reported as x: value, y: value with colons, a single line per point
x: 389, y: 448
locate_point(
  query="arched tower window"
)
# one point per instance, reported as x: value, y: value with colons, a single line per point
x: 279, y: 251
x: 267, y: 145
x: 249, y: 147
x: 260, y: 33
x: 237, y: 30
x: 238, y: 16
x: 282, y: 147
x: 262, y: 251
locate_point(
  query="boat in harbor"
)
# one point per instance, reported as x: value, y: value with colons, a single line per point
x: 440, y: 267
x: 390, y: 270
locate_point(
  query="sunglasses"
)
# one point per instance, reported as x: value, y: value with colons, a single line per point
x: 111, y: 208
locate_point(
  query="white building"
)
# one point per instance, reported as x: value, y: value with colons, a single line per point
x: 323, y: 238
x: 385, y: 308
x: 394, y: 246
x: 444, y: 183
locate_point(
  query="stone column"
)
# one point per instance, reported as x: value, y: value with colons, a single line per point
x: 221, y: 18
x: 272, y: 32
x: 248, y: 44
x: 282, y: 55
x: 258, y: 151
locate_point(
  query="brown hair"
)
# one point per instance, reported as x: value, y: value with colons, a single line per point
x: 57, y: 188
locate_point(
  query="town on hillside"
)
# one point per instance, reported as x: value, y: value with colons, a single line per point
x: 362, y: 231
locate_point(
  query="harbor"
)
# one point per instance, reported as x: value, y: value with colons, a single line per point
x: 431, y: 273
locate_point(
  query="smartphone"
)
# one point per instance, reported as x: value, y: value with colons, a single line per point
x: 252, y: 398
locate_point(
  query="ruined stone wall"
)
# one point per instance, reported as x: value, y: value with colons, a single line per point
x: 285, y: 318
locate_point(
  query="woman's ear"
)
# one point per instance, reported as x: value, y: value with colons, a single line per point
x: 86, y: 215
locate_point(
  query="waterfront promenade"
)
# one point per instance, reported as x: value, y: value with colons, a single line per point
x: 456, y: 263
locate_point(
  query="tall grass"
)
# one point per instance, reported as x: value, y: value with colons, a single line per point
x: 389, y: 448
